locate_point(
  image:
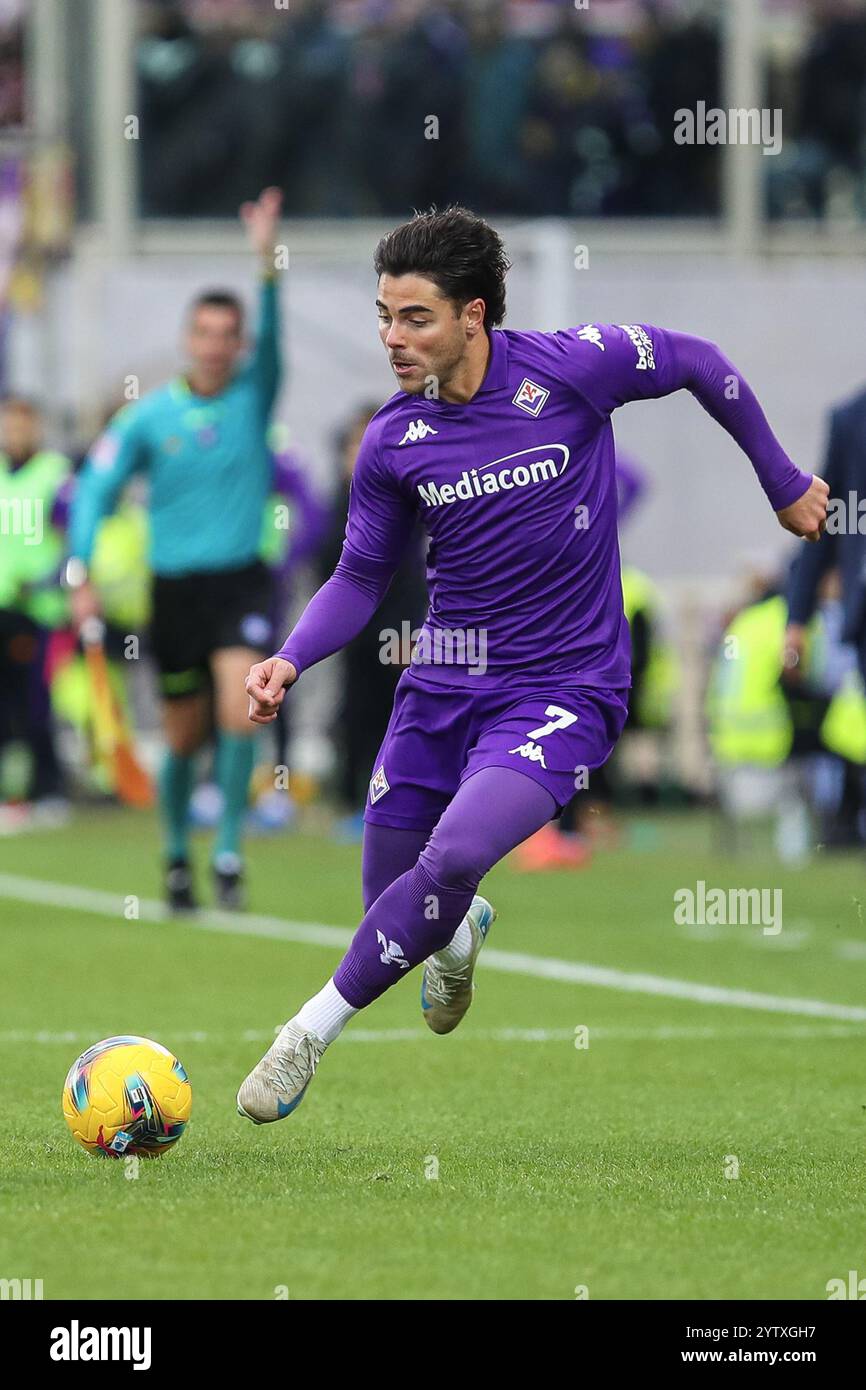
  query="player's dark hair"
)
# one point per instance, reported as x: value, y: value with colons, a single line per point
x: 457, y: 250
x: 218, y: 299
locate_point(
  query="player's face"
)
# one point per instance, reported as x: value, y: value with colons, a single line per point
x: 20, y: 432
x: 214, y: 341
x: 424, y: 334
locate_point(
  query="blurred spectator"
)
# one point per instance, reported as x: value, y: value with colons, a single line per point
x: 304, y: 95
x: 495, y: 103
x: 404, y: 119
x: 844, y: 544
x: 680, y: 67
x: 12, y: 68
x: 295, y: 526
x: 367, y: 683
x: 32, y: 603
x: 789, y: 742
x: 832, y: 105
x: 574, y: 135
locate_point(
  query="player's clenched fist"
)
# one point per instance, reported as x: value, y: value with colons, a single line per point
x: 807, y: 516
x: 266, y: 686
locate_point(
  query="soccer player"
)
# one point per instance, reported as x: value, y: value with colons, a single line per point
x: 201, y: 442
x: 501, y: 442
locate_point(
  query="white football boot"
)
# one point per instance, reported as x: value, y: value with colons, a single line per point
x: 279, y: 1083
x: 447, y: 994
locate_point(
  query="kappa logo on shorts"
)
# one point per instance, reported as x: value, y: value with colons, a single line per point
x: 530, y: 397
x: 557, y: 718
x: 379, y: 784
x: 533, y: 751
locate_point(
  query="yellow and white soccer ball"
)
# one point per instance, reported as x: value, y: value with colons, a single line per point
x: 127, y: 1095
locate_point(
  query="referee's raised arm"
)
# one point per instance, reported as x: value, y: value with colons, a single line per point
x: 261, y: 220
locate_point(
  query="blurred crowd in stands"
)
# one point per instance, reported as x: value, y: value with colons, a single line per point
x: 543, y: 107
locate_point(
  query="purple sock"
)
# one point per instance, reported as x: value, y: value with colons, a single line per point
x: 412, y: 918
x: 492, y: 812
x: 387, y: 853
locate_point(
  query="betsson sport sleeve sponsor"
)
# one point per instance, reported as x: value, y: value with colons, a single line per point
x: 617, y: 363
x: 378, y: 529
x: 120, y: 451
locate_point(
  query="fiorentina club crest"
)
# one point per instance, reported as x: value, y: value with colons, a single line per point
x: 530, y: 397
x: 379, y: 785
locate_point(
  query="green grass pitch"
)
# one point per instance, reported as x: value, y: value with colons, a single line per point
x: 479, y: 1166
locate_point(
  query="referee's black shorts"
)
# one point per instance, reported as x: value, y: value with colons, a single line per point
x: 194, y: 615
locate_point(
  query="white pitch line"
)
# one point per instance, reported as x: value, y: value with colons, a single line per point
x: 71, y: 896
x: 663, y: 1033
x: 570, y: 972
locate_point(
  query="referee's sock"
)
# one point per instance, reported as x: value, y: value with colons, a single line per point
x: 175, y: 790
x: 234, y: 763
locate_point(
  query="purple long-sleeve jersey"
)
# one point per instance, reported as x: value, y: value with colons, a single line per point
x: 516, y: 489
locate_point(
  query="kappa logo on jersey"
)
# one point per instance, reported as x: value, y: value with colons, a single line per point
x: 549, y: 463
x: 591, y: 334
x: 643, y: 342
x: 533, y: 751
x: 379, y: 784
x: 418, y: 429
x: 392, y: 952
x: 530, y: 397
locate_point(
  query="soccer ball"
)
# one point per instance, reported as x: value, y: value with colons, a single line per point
x: 127, y: 1096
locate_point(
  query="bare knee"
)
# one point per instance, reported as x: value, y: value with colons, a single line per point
x: 185, y: 724
x: 184, y: 742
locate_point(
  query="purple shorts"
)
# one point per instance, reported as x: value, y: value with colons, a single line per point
x: 554, y: 730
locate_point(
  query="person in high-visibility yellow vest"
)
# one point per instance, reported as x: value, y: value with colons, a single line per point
x: 32, y: 603
x: 749, y: 720
x: 654, y: 670
x: 760, y: 719
x: 749, y: 717
x: 122, y: 574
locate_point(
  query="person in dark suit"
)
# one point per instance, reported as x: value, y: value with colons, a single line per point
x: 844, y: 541
x: 367, y: 682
